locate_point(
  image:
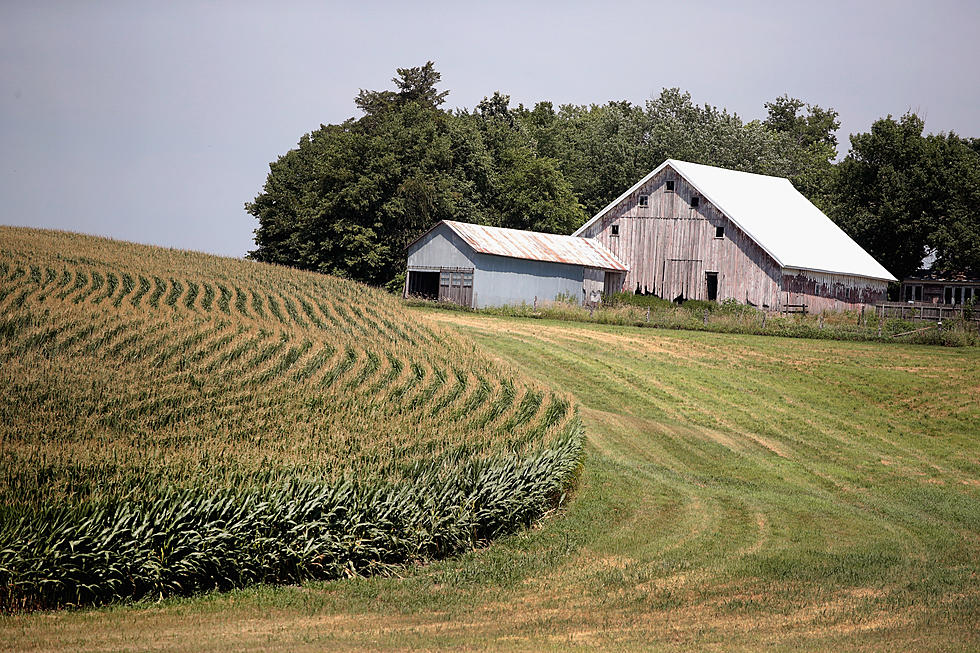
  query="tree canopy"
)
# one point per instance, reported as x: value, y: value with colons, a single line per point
x: 350, y: 197
x: 902, y: 195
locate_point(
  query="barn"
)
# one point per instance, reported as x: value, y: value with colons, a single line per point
x: 478, y: 266
x: 700, y: 232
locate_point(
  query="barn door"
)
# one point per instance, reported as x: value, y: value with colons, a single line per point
x: 711, y: 283
x: 466, y: 294
x: 456, y: 286
x: 612, y: 283
x: 682, y: 279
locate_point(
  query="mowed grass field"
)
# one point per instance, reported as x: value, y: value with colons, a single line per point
x: 739, y: 493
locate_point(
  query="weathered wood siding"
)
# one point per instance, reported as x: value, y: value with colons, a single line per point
x: 822, y: 291
x: 669, y: 246
x: 940, y: 292
x: 594, y: 280
x: 613, y: 282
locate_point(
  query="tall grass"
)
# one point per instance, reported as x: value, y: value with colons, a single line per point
x: 647, y: 311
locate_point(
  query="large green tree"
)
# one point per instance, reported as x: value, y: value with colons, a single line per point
x: 350, y: 197
x: 604, y: 149
x: 530, y: 191
x: 812, y: 148
x: 901, y: 194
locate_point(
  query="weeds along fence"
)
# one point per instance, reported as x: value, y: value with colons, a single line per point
x: 644, y: 311
x: 174, y: 422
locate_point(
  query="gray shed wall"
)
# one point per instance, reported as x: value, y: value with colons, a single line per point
x: 499, y: 280
x: 440, y: 248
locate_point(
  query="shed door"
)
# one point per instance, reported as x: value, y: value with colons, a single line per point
x: 612, y: 283
x: 456, y: 286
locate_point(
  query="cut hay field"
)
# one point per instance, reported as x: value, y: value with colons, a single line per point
x: 173, y: 422
x: 739, y: 493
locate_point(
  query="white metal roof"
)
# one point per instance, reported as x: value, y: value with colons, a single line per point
x: 776, y: 216
x: 537, y: 246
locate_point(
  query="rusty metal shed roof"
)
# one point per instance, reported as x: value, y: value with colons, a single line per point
x: 536, y: 246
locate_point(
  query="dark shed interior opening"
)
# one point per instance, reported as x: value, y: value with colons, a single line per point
x: 423, y: 284
x: 711, y: 278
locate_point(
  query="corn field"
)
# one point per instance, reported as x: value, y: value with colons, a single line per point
x: 173, y: 422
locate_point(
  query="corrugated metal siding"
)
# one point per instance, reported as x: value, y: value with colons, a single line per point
x: 440, y: 247
x: 500, y: 280
x: 535, y: 246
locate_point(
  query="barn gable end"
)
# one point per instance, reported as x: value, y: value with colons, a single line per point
x: 700, y: 232
x: 672, y: 247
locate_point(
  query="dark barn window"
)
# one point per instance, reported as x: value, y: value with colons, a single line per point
x: 643, y: 200
x: 695, y: 202
x: 615, y: 230
x: 719, y: 232
x: 669, y: 185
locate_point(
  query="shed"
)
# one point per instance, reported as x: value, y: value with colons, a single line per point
x: 701, y: 232
x: 478, y: 266
x: 931, y: 287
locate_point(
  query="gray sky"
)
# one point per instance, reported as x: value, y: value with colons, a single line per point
x: 156, y: 122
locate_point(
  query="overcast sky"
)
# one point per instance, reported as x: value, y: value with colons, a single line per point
x: 155, y: 122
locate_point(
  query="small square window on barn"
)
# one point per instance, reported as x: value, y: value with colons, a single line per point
x: 719, y: 232
x: 643, y: 200
x: 695, y: 202
x: 669, y: 185
x: 614, y: 230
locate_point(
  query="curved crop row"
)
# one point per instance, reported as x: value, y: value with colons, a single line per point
x: 144, y: 385
x: 188, y: 541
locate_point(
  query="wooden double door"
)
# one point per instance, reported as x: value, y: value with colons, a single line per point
x: 456, y: 285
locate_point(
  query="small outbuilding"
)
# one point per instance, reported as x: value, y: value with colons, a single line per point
x: 478, y: 266
x: 930, y: 287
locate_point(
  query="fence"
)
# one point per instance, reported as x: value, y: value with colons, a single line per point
x: 923, y: 311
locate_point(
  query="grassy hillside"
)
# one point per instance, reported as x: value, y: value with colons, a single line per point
x: 739, y: 493
x: 173, y: 422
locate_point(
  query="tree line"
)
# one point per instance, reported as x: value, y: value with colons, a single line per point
x: 350, y: 197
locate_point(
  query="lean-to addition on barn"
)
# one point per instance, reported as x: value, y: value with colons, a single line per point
x: 480, y: 266
x: 700, y: 232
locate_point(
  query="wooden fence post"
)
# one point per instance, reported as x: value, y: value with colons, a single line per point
x: 705, y: 317
x: 763, y: 320
x: 648, y: 316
